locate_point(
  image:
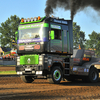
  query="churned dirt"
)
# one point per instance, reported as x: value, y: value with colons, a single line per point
x: 13, y: 88
x: 9, y: 68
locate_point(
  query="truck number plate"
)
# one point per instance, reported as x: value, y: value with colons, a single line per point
x: 38, y: 72
x: 27, y: 69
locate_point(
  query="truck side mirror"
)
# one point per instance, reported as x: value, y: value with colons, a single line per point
x: 52, y: 35
x: 16, y: 33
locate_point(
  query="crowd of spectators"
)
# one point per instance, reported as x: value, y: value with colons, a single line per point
x: 8, y: 58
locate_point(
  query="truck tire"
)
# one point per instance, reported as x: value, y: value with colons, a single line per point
x: 55, y: 76
x: 93, y: 75
x: 27, y: 79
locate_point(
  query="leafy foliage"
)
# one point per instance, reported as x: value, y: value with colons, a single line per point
x: 8, y: 29
x: 94, y: 42
x: 78, y: 37
x: 0, y: 39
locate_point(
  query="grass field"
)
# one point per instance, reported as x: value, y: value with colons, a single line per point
x: 8, y: 65
x: 7, y: 72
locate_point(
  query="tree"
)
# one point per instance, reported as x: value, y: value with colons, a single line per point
x: 78, y: 37
x: 8, y: 29
x: 93, y: 42
x: 98, y: 46
x: 0, y: 39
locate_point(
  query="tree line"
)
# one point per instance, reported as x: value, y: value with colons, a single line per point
x: 10, y: 26
x: 93, y: 43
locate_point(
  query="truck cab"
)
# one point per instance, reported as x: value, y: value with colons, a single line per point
x: 44, y: 46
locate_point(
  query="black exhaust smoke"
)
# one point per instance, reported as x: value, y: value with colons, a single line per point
x: 73, y: 5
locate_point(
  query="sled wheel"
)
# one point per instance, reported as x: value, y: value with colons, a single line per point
x: 93, y: 75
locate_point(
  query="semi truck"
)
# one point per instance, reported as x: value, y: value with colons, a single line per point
x: 45, y: 48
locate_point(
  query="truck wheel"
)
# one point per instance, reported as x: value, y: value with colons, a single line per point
x: 93, y: 75
x: 27, y: 79
x: 55, y: 76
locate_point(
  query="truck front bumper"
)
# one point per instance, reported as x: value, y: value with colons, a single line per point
x: 29, y: 70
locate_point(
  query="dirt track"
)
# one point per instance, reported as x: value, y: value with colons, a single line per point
x: 3, y: 68
x: 13, y: 88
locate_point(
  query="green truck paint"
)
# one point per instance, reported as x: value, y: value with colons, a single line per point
x: 29, y: 59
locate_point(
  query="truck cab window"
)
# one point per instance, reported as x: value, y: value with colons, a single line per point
x: 57, y: 34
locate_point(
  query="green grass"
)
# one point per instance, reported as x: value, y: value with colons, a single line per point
x: 7, y: 72
x: 8, y: 65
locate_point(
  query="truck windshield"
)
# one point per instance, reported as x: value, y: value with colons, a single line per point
x: 31, y: 33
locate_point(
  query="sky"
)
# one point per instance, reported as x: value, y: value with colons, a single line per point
x: 87, y: 19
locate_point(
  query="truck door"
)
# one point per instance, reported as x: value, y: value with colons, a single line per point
x: 65, y: 41
x: 56, y: 43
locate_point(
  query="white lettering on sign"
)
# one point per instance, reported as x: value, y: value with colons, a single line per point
x: 20, y: 41
x: 22, y: 27
x: 56, y: 26
x: 64, y: 22
x: 60, y: 21
x: 30, y: 26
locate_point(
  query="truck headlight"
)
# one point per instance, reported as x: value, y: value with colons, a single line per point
x: 18, y: 63
x: 40, y: 59
x: 18, y: 60
x: 40, y: 62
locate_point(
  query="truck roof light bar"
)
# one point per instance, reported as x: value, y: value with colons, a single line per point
x: 39, y: 17
x: 28, y: 19
x: 31, y: 20
x: 25, y: 20
x: 22, y: 20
